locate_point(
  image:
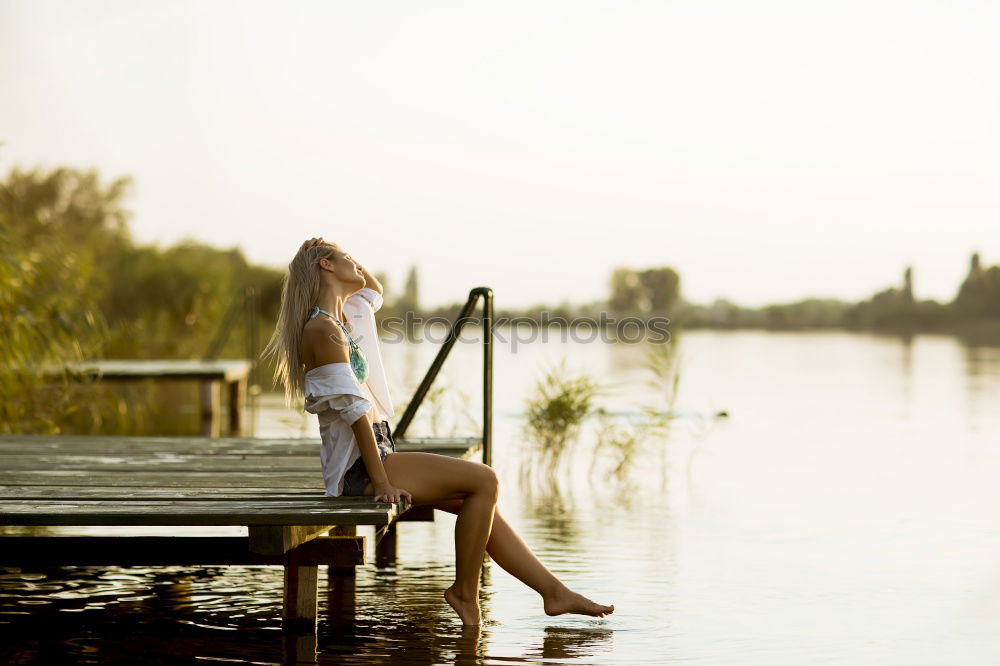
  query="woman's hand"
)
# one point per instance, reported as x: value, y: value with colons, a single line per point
x: 386, y: 492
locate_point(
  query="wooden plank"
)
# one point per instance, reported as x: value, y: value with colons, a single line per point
x: 115, y: 446
x: 143, y: 494
x: 103, y: 444
x: 161, y: 464
x: 158, y: 480
x: 279, y: 539
x: 19, y: 551
x: 245, y: 504
x: 223, y: 369
x: 156, y: 462
x: 361, y: 512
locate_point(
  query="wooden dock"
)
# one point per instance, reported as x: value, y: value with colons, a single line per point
x: 212, y: 375
x: 273, y: 487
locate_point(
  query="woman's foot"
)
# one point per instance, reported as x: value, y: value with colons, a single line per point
x: 568, y: 601
x: 467, y: 609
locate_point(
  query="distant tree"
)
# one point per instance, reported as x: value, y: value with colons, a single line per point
x: 627, y: 292
x: 979, y: 294
x: 892, y: 308
x: 383, y: 279
x: 654, y: 291
x: 661, y: 288
x: 409, y: 300
x: 908, y: 285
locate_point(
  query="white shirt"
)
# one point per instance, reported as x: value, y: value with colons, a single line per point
x: 359, y: 311
x: 333, y: 393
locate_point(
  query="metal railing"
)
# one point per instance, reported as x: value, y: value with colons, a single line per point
x: 456, y: 330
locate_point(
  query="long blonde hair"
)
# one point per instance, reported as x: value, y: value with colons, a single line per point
x: 299, y: 291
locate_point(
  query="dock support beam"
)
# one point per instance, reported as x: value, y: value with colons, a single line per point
x: 385, y: 546
x: 211, y: 403
x: 237, y: 401
x: 300, y: 596
x: 332, y: 571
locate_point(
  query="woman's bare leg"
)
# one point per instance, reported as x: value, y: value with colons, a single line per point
x: 431, y: 478
x: 452, y: 484
x: 509, y: 550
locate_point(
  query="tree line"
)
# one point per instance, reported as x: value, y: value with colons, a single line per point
x: 75, y: 285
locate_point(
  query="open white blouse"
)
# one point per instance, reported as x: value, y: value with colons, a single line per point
x: 333, y: 393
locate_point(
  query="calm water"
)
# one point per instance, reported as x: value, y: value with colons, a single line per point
x: 845, y: 512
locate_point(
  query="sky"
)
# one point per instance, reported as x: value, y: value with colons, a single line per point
x: 768, y: 151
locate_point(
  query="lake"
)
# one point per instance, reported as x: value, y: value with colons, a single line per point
x: 845, y: 511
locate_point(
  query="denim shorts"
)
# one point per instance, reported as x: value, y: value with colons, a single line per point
x: 356, y: 477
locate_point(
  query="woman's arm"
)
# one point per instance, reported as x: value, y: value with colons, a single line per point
x: 365, y: 435
x: 383, y: 491
x: 370, y: 281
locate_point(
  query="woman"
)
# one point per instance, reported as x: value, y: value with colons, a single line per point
x: 337, y: 369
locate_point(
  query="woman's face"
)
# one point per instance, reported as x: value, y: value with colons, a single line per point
x: 344, y: 268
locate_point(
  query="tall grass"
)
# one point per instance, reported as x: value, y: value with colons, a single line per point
x: 628, y: 441
x: 555, y: 412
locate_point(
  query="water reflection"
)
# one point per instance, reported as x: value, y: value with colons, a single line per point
x: 569, y: 643
x: 795, y: 531
x: 553, y: 512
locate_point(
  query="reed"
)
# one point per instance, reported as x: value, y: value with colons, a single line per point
x: 555, y: 411
x: 626, y: 441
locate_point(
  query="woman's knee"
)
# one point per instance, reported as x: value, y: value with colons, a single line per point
x: 432, y: 477
x: 477, y: 479
x: 489, y: 482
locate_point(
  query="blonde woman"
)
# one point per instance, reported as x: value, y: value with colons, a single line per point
x: 326, y: 351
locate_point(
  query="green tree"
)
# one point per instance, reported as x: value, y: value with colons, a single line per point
x: 627, y: 292
x: 411, y: 291
x: 979, y: 295
x: 661, y: 287
x: 56, y: 230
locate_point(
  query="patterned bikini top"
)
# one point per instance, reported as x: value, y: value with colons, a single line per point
x: 359, y: 364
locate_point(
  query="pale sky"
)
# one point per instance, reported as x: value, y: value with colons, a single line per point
x: 766, y: 150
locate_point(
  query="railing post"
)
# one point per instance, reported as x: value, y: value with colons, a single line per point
x: 488, y: 377
x: 456, y: 329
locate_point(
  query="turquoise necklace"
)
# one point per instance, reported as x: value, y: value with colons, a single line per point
x: 359, y: 364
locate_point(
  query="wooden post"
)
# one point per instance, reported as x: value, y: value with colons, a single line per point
x: 331, y: 572
x: 299, y: 648
x: 300, y: 601
x: 341, y: 586
x: 385, y: 546
x: 341, y: 599
x: 237, y: 399
x: 211, y: 399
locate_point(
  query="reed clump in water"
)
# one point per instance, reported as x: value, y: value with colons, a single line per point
x: 618, y: 441
x: 555, y: 411
x: 626, y: 440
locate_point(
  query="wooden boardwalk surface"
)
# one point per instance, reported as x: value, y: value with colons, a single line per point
x: 274, y: 487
